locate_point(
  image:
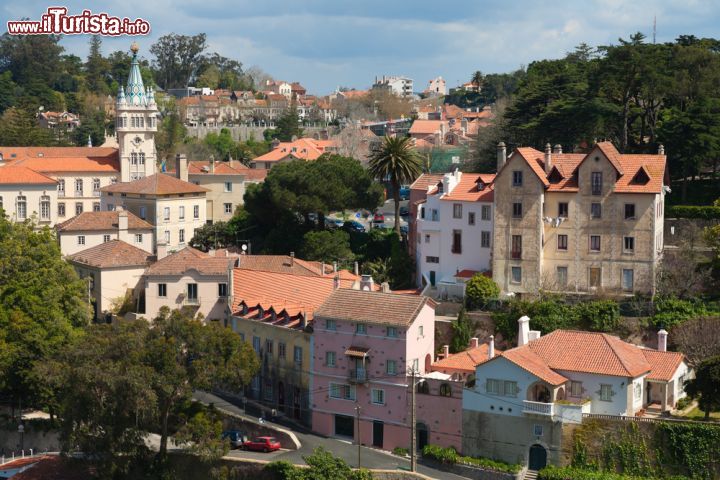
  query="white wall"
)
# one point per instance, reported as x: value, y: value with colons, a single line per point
x: 69, y: 240
x: 210, y: 305
x: 32, y: 194
x: 591, y: 389
x: 500, y: 368
x: 89, y: 199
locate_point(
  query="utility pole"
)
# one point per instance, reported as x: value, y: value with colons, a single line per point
x: 357, y: 415
x: 413, y: 424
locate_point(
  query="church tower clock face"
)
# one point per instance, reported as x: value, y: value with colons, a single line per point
x: 137, y: 141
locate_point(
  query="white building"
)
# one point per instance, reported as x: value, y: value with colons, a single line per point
x: 25, y: 193
x: 454, y: 230
x: 524, y: 395
x: 90, y: 229
x: 436, y: 87
x: 401, y: 86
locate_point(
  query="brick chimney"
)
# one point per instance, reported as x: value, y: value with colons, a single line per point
x: 181, y: 167
x: 523, y: 330
x: 292, y: 258
x: 548, y: 158
x: 474, y: 342
x: 662, y: 340
x: 501, y: 155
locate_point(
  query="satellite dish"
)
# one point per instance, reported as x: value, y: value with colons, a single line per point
x: 244, y: 248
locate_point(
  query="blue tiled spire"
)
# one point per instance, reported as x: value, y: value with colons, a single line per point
x: 135, y: 91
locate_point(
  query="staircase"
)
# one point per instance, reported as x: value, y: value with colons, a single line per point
x: 531, y: 475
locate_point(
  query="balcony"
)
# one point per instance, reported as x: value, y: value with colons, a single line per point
x: 516, y: 254
x: 192, y: 301
x: 358, y: 375
x: 563, y: 410
x: 538, y: 408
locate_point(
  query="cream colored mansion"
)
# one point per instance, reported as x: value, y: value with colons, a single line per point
x: 586, y: 223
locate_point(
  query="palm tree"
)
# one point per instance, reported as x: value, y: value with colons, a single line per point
x: 477, y: 79
x: 396, y: 160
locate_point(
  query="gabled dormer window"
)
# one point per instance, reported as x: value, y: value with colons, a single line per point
x: 641, y: 177
x: 555, y: 176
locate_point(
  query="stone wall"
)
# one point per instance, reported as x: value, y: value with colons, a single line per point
x: 473, y: 472
x: 35, y: 437
x: 242, y: 133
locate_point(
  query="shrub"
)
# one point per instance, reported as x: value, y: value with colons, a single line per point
x: 283, y: 470
x: 599, y: 315
x: 479, y: 290
x: 671, y: 311
x: 683, y: 403
x: 443, y: 455
x: 572, y: 473
x: 401, y: 451
x: 693, y: 211
x: 450, y: 456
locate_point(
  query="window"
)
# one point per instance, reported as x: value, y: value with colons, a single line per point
x: 106, y: 238
x: 596, y: 182
x: 499, y: 387
x: 575, y: 389
x: 81, y: 240
x: 517, y: 210
x: 563, y: 209
x: 485, y: 239
x: 96, y: 186
x: 471, y: 218
x: 606, y: 393
x: 192, y: 291
x: 181, y: 212
x: 256, y: 344
x: 427, y: 238
x: 595, y: 279
x: 391, y: 367
x: 415, y: 365
x: 143, y: 212
x: 138, y: 238
x: 595, y: 210
x: 330, y: 325
x: 113, y: 180
x: 222, y: 290
x: 445, y: 390
x: 422, y: 212
x: 196, y: 211
x: 516, y: 251
x: 78, y: 208
x: 21, y: 207
x: 435, y: 216
x: 342, y: 391
x: 628, y: 244
x: 421, y: 331
x: 61, y: 209
x: 166, y: 213
x: 44, y: 207
x: 281, y: 350
x: 391, y: 332
x: 330, y: 359
x: 457, y: 210
x: 78, y: 187
x: 457, y: 241
x: 228, y: 186
x: 562, y: 242
x: 485, y: 212
x: 96, y: 206
x: 162, y: 289
x: 629, y: 211
x: 268, y: 346
x: 432, y: 259
x: 360, y: 328
x: 297, y: 355
x: 517, y: 178
x: 61, y: 188
x: 594, y: 243
x: 515, y: 274
x: 378, y: 396
x: 181, y: 234
x: 228, y: 208
x: 627, y: 279
x: 562, y: 276
x: 141, y: 158
x: 167, y: 236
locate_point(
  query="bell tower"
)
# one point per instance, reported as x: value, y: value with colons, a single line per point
x: 136, y: 124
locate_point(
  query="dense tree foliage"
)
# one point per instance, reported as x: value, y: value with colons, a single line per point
x: 706, y: 386
x: 462, y: 331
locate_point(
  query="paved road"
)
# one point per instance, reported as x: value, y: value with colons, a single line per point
x: 388, y: 209
x: 369, y: 457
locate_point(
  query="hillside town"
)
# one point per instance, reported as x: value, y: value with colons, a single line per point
x: 225, y: 275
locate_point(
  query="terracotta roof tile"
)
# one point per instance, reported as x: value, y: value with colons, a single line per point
x: 63, y: 159
x: 425, y: 180
x: 304, y: 149
x: 191, y: 259
x: 427, y: 127
x: 114, y: 253
x: 528, y: 360
x: 663, y: 364
x: 373, y: 307
x: 465, y: 361
x: 158, y: 184
x: 89, y: 221
x: 287, y: 264
x: 466, y: 273
x: 19, y: 175
x: 467, y: 189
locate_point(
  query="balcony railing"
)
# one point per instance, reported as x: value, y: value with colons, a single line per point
x: 191, y: 301
x: 516, y: 254
x: 537, y: 408
x: 358, y: 375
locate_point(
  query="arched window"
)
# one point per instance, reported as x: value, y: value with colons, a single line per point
x: 133, y: 158
x: 445, y: 390
x: 141, y: 157
x: 423, y: 387
x: 45, y: 208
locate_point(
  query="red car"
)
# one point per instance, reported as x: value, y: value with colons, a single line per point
x: 378, y: 217
x: 262, y: 444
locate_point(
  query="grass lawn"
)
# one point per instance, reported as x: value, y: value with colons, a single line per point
x: 697, y: 414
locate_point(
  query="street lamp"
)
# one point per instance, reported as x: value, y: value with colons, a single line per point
x: 21, y: 431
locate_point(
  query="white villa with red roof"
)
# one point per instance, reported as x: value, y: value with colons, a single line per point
x: 300, y: 149
x: 454, y: 231
x: 522, y: 396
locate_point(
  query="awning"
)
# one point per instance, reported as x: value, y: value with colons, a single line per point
x: 360, y: 352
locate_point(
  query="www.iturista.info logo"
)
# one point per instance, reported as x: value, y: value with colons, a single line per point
x: 57, y: 21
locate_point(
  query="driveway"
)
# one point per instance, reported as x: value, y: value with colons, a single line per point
x: 369, y: 457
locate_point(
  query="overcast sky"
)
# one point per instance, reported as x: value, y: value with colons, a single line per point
x: 328, y: 43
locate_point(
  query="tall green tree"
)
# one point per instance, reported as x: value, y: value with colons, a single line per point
x: 327, y: 246
x: 477, y: 78
x: 396, y: 161
x: 462, y: 331
x: 18, y: 128
x: 177, y: 59
x: 97, y: 67
x: 288, y: 126
x: 705, y: 387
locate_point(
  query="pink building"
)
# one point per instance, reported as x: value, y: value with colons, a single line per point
x: 365, y: 343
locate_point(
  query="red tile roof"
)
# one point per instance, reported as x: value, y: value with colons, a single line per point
x: 287, y: 264
x: 466, y: 273
x: 191, y: 259
x: 202, y: 167
x: 663, y: 364
x: 425, y: 180
x: 373, y: 307
x: 158, y: 184
x: 467, y: 188
x: 89, y: 221
x: 531, y: 362
x: 305, y: 149
x: 63, y: 159
x: 428, y: 127
x: 19, y: 175
x: 112, y: 254
x: 465, y: 361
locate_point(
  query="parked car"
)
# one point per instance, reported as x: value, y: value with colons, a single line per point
x: 262, y: 444
x: 404, y: 211
x: 333, y: 222
x: 354, y: 226
x: 404, y: 230
x: 236, y: 438
x: 404, y: 192
x: 379, y: 217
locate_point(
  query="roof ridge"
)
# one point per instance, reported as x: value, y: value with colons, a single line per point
x: 612, y: 346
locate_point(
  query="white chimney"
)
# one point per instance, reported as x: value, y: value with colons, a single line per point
x: 474, y: 342
x: 322, y: 269
x: 662, y: 340
x: 446, y: 351
x: 548, y: 158
x: 523, y: 330
x: 557, y: 148
x: 161, y: 250
x: 292, y: 258
x: 335, y: 267
x: 385, y: 287
x: 491, y: 347
x: 122, y: 226
x: 181, y: 167
x: 501, y: 155
x: 661, y: 149
x: 212, y: 165
x: 356, y: 270
x: 366, y: 283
